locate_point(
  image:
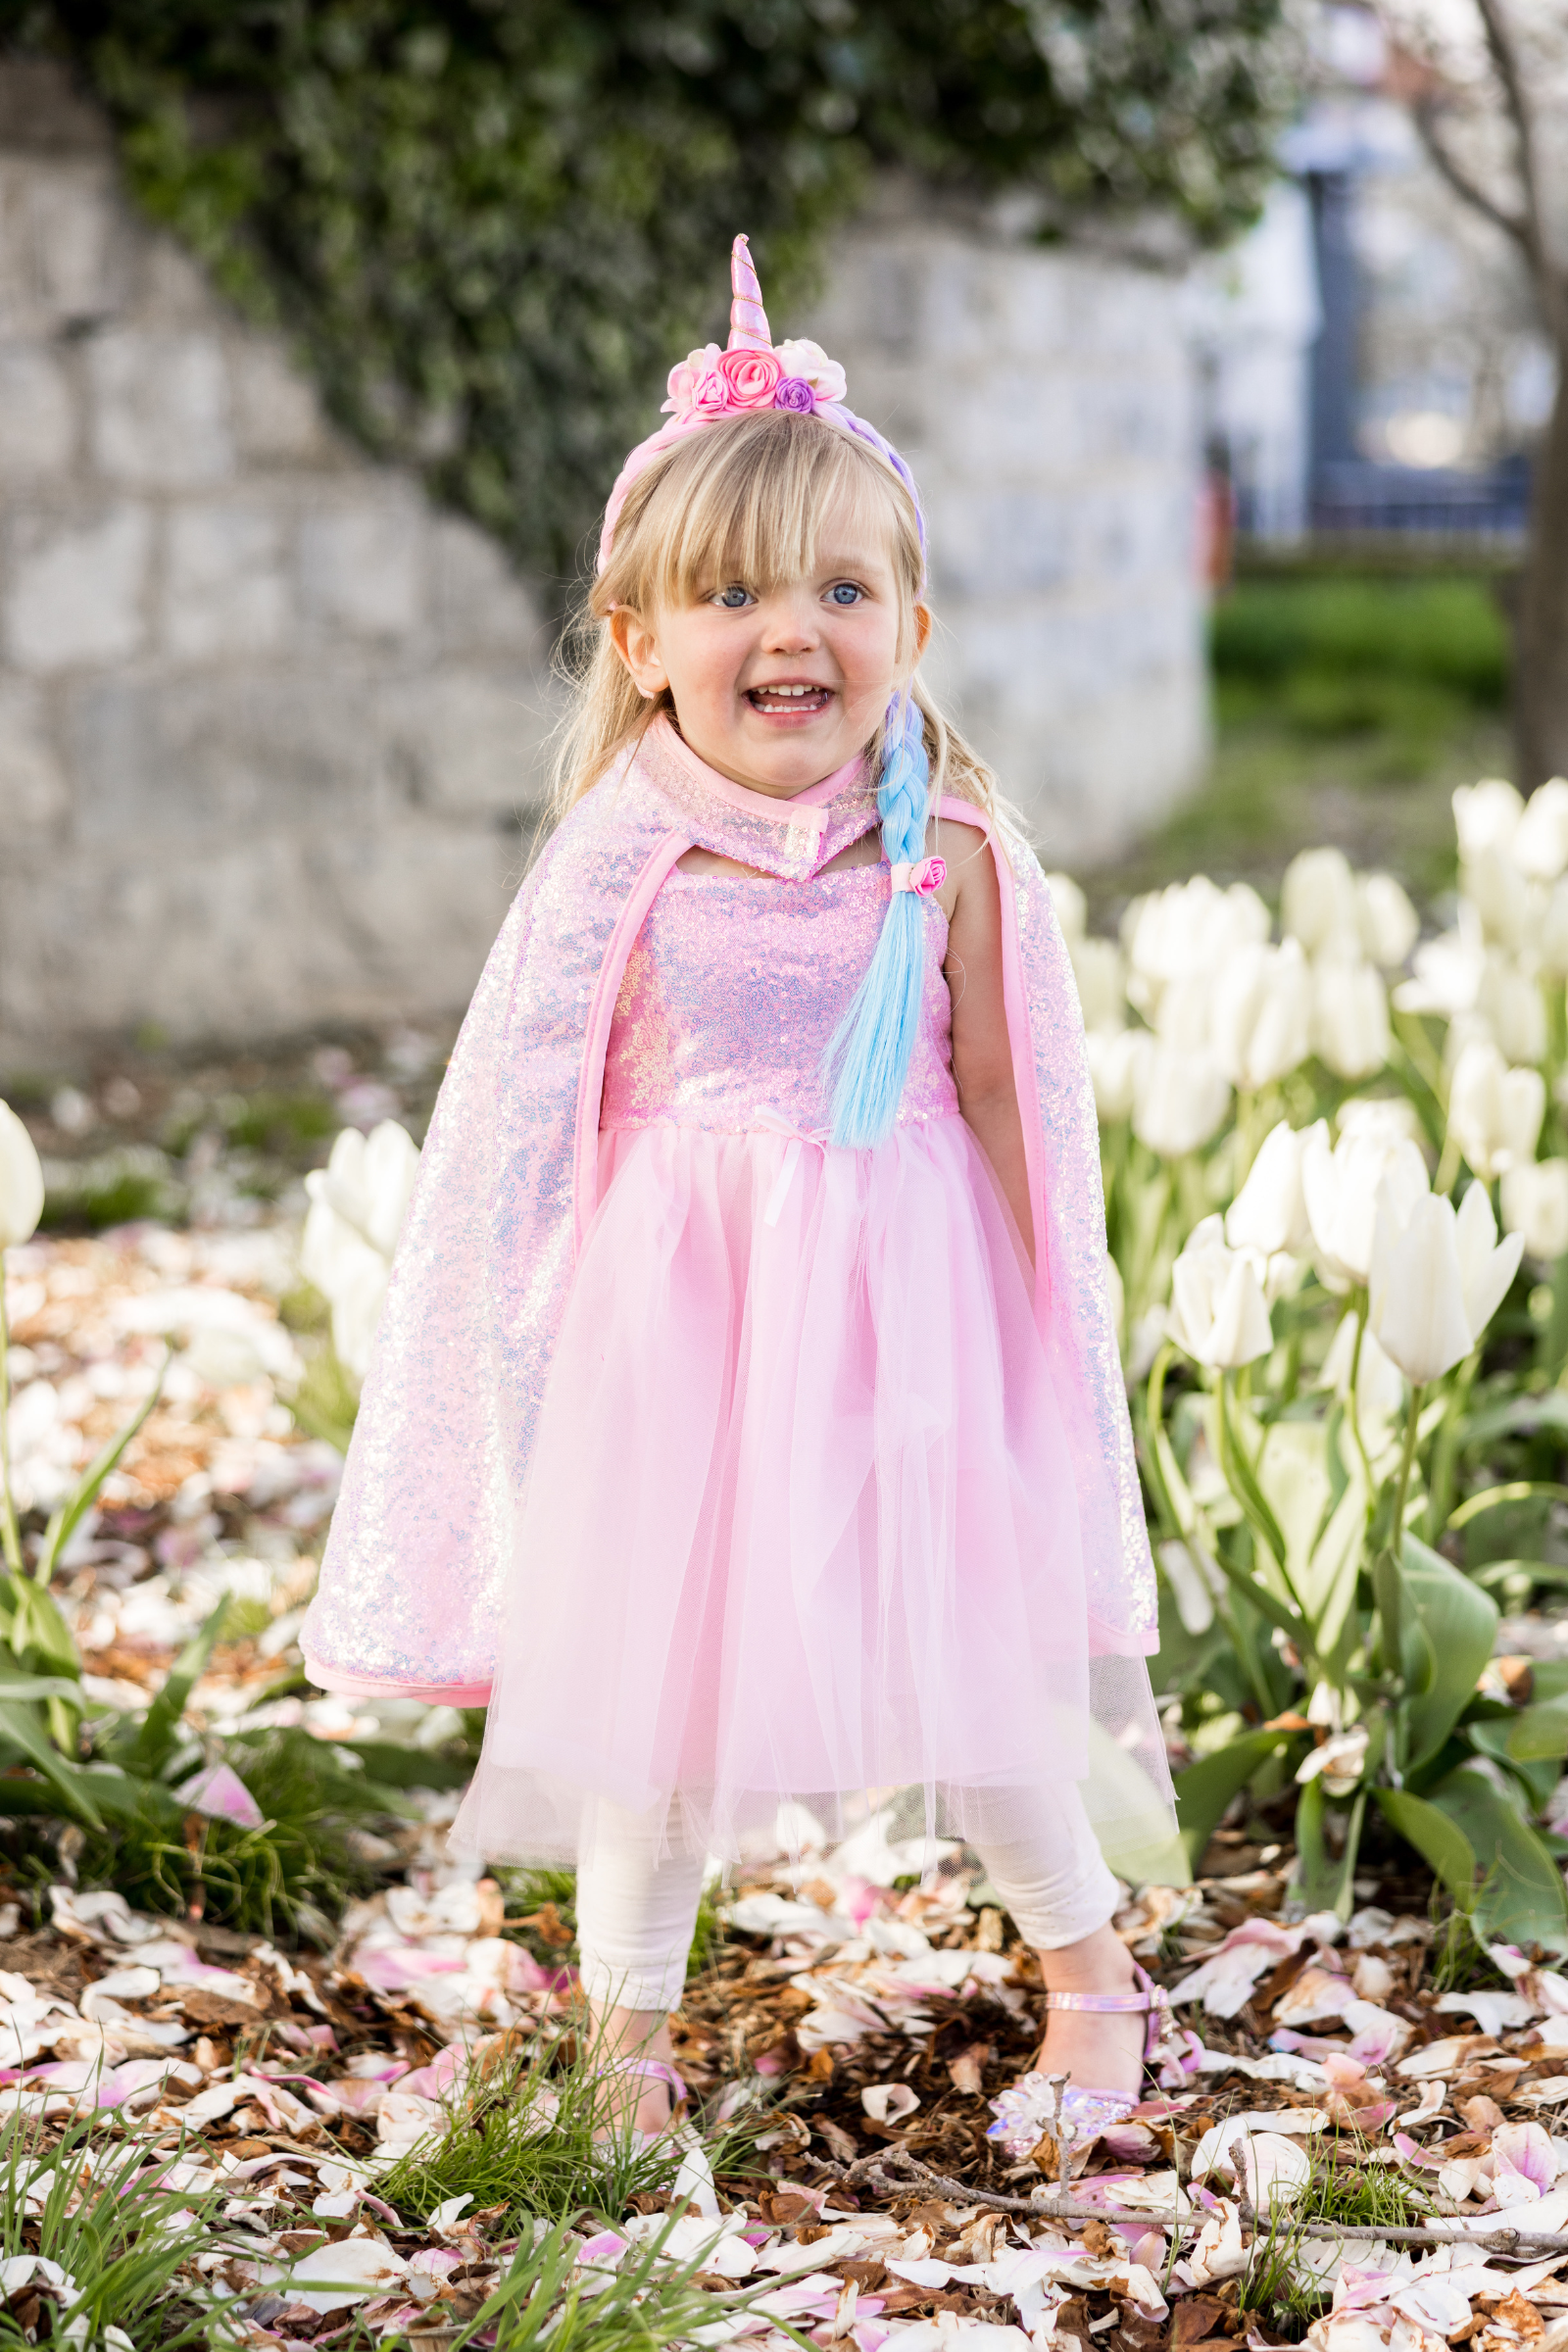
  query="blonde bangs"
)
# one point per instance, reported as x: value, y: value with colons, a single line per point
x: 747, y: 500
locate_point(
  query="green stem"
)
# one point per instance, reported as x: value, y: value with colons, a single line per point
x: 1448, y: 1166
x: 9, y: 1533
x: 1519, y: 1489
x: 1390, y: 1591
x: 1353, y: 1402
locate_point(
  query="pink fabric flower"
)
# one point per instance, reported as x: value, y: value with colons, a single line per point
x: 685, y: 377
x: 923, y: 878
x: 711, y: 397
x: 751, y: 377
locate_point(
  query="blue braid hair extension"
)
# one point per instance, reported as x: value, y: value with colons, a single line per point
x: 868, y: 1058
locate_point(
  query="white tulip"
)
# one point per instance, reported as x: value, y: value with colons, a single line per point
x: 1267, y: 1219
x: 1073, y: 907
x: 1179, y: 1100
x: 1552, y: 944
x: 1189, y: 928
x: 1319, y: 901
x: 1261, y: 1018
x: 1184, y: 1016
x: 1390, y: 925
x: 1217, y: 1311
x: 20, y: 1181
x: 1447, y: 972
x: 1511, y: 1003
x: 1486, y: 816
x: 1534, y: 1204
x: 358, y: 1203
x: 1340, y: 1760
x: 1102, y: 978
x: 1541, y: 844
x: 1341, y: 1189
x: 1349, y: 1018
x: 1494, y: 1113
x: 1391, y: 1117
x: 1113, y: 1055
x: 1509, y: 909
x: 1436, y: 1279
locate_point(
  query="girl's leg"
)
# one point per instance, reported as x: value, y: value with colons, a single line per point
x: 635, y: 1920
x: 1053, y: 1878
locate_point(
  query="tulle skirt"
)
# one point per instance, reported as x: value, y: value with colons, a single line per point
x: 801, y: 1521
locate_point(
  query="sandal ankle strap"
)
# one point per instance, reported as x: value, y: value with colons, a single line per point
x: 1149, y: 1998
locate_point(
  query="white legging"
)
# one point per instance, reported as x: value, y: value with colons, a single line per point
x: 636, y: 1915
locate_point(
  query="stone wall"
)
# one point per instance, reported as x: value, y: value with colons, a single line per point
x: 270, y: 723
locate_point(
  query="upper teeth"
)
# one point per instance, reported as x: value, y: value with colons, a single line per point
x: 789, y: 690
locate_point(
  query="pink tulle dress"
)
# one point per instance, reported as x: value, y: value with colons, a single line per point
x: 800, y: 1520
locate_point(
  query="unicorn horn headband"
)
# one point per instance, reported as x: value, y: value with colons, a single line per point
x: 752, y: 373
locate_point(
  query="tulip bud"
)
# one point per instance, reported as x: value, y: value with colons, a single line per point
x: 1494, y: 1113
x: 1390, y: 925
x: 1101, y: 979
x: 1446, y: 972
x: 1112, y: 1063
x: 1267, y: 1219
x: 1340, y: 1189
x: 20, y: 1181
x: 1179, y: 1100
x: 1534, y: 1204
x: 1260, y: 1017
x: 1318, y: 902
x: 1486, y: 816
x: 1541, y: 844
x: 1501, y: 897
x: 1073, y: 907
x: 1436, y: 1279
x: 1217, y: 1312
x: 1189, y: 929
x: 1349, y: 1018
x: 358, y: 1203
x: 1510, y: 1002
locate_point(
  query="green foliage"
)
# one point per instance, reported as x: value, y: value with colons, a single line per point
x: 541, y: 2134
x: 120, y: 2237
x: 1318, y: 637
x: 1205, y: 1788
x: 493, y: 225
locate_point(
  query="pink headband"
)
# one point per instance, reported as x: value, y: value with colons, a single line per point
x: 751, y: 373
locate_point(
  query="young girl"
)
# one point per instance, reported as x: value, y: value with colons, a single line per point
x: 745, y: 1421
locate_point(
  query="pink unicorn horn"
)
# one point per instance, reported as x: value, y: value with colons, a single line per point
x: 748, y: 320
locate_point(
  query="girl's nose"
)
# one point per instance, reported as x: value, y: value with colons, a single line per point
x: 790, y: 624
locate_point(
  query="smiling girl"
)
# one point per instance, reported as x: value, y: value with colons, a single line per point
x: 746, y: 1422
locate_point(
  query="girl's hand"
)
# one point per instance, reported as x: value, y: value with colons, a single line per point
x: 982, y: 1051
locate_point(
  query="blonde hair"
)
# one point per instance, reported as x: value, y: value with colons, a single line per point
x: 741, y: 499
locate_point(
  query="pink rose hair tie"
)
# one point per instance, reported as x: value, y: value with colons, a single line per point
x: 751, y: 373
x: 923, y: 878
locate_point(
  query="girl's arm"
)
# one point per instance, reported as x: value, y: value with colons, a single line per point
x: 982, y: 1051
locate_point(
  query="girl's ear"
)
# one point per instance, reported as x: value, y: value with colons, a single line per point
x: 634, y: 641
x: 922, y: 629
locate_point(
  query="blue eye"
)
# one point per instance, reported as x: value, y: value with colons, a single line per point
x: 733, y: 598
x: 845, y: 592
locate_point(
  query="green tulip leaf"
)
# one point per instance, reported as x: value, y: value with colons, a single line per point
x: 68, y: 1518
x: 22, y: 1731
x: 1205, y: 1788
x: 1440, y: 1841
x: 149, y: 1748
x: 1452, y: 1626
x: 1521, y: 1897
x: 1325, y: 1881
x: 1540, y: 1735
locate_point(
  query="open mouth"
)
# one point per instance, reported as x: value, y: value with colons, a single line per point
x: 798, y: 698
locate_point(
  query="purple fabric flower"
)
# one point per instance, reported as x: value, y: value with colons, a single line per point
x: 794, y: 392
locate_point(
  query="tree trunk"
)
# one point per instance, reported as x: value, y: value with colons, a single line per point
x: 1540, y: 644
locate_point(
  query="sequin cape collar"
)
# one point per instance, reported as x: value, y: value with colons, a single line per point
x: 423, y: 1538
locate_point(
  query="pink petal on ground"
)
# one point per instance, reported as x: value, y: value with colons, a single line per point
x: 1524, y: 2163
x: 221, y: 1796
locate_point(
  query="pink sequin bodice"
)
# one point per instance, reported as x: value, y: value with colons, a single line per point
x: 734, y: 989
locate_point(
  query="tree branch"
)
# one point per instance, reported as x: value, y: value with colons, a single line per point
x: 1505, y: 64
x: 1513, y: 224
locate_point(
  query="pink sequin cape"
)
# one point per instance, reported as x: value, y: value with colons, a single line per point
x: 422, y: 1539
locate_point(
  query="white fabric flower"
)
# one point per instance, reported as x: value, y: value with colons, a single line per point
x: 809, y: 362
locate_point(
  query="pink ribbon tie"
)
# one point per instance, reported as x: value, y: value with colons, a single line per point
x: 924, y: 878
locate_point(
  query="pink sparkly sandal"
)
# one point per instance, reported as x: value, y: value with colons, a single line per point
x: 1037, y: 2105
x: 656, y: 2070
